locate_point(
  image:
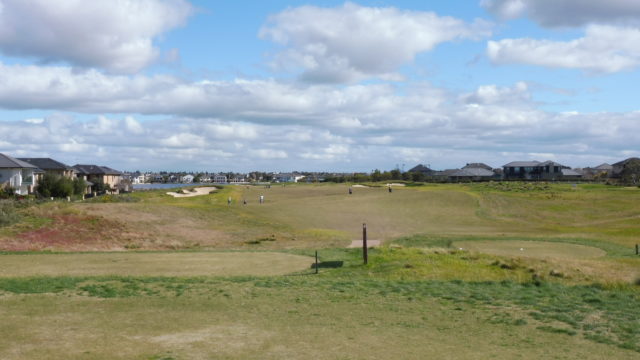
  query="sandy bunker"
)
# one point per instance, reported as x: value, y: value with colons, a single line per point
x: 196, y: 192
x: 535, y: 249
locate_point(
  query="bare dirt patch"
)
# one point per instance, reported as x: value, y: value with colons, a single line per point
x: 358, y: 244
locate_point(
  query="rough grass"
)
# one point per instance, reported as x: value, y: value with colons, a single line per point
x: 326, y: 316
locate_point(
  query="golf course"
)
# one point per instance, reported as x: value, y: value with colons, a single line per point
x: 500, y: 270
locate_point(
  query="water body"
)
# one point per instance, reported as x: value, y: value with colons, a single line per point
x: 165, y: 186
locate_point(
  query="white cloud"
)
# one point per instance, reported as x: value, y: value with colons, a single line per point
x: 603, y: 49
x: 268, y: 154
x: 133, y: 125
x: 555, y: 13
x: 116, y: 35
x: 184, y: 140
x: 352, y: 42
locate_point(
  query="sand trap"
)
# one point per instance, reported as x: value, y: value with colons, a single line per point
x: 396, y: 184
x: 534, y: 249
x: 358, y: 244
x: 360, y: 186
x: 198, y: 191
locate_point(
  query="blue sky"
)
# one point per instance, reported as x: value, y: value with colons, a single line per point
x: 319, y: 85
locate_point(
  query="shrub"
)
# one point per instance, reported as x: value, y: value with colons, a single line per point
x: 8, y: 213
x: 52, y: 185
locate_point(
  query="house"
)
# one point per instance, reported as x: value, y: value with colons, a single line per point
x: 471, y: 174
x: 220, y: 179
x: 628, y: 171
x: 187, y: 179
x: 51, y: 166
x: 533, y: 170
x: 421, y: 169
x: 618, y: 168
x: 478, y: 165
x: 287, y: 177
x: 17, y: 174
x: 569, y: 174
x: 99, y: 174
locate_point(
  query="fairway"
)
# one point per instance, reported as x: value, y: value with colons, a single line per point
x: 534, y: 249
x: 153, y: 264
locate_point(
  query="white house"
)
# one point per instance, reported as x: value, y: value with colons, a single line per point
x: 287, y: 177
x: 17, y: 174
x: 187, y: 179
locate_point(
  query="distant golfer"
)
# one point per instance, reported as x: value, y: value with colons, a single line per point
x: 390, y: 188
x: 229, y: 201
x: 261, y: 199
x: 350, y: 190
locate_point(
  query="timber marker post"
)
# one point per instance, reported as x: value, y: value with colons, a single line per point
x: 364, y: 243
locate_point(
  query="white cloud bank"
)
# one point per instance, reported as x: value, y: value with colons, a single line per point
x: 603, y: 49
x: 611, y: 42
x: 116, y: 35
x: 351, y: 42
x: 359, y: 127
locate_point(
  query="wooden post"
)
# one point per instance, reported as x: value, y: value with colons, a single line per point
x: 364, y: 243
x: 316, y: 261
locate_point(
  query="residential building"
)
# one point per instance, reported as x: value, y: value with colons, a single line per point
x: 533, y: 170
x: 422, y: 169
x: 220, y: 179
x: 187, y: 179
x: 478, y: 165
x: 97, y: 174
x: 51, y: 166
x: 17, y: 174
x: 472, y: 174
x: 287, y: 177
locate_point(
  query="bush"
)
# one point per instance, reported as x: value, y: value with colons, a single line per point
x: 52, y: 185
x: 8, y: 213
x: 7, y: 192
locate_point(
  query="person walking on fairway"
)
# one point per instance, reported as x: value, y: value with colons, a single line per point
x: 229, y: 201
x: 350, y: 190
x: 390, y: 188
x: 261, y: 199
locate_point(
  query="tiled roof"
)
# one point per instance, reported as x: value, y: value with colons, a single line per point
x: 47, y: 164
x: 473, y: 172
x: 522, y: 164
x: 7, y: 161
x: 95, y: 170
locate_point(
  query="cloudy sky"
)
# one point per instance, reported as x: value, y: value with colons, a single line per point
x: 319, y: 85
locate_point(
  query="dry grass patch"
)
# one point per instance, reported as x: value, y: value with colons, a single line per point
x: 152, y: 264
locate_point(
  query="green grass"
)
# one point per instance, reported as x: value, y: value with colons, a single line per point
x: 151, y: 264
x: 417, y: 298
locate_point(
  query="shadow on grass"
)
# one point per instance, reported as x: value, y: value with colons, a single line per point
x: 328, y: 265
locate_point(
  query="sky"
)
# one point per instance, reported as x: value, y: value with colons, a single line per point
x: 279, y: 85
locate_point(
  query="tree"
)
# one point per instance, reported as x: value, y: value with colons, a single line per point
x: 52, y: 185
x: 630, y: 175
x: 79, y: 186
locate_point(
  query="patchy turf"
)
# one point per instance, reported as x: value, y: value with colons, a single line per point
x: 153, y: 264
x: 535, y: 249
